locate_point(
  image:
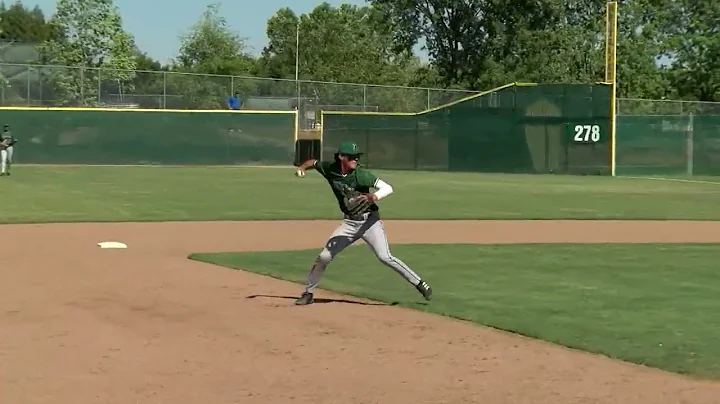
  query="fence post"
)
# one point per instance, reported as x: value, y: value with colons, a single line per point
x: 99, y: 84
x: 41, y: 78
x: 164, y: 100
x: 232, y: 85
x: 428, y: 99
x: 297, y: 93
x: 364, y: 97
x: 29, y: 103
x: 690, y: 149
x: 417, y: 143
x: 82, y: 86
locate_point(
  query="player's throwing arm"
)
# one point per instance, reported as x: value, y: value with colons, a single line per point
x: 361, y: 217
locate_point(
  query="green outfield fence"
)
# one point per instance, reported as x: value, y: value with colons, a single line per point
x: 75, y: 115
x: 662, y: 137
x: 152, y: 137
x: 517, y: 128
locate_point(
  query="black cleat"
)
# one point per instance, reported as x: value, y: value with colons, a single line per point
x: 424, y: 290
x: 305, y: 299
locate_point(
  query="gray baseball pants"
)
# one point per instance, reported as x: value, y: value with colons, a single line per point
x: 6, y: 157
x: 371, y: 230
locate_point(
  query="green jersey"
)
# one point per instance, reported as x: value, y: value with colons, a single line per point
x: 342, y: 184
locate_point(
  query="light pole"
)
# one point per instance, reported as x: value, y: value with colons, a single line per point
x: 297, y: 62
x: 297, y: 50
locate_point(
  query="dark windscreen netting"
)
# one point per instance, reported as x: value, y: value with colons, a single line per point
x: 668, y: 138
x: 157, y: 137
x: 561, y: 128
x: 389, y: 141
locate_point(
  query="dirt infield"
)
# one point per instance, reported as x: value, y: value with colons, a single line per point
x: 146, y: 325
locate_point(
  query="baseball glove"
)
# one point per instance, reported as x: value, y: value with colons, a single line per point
x: 357, y: 204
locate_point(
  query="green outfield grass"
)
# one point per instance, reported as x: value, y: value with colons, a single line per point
x: 649, y: 304
x: 62, y: 194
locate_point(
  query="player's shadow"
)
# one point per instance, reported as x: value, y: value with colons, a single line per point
x: 321, y: 300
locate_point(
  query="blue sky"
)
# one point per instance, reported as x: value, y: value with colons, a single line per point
x: 157, y: 29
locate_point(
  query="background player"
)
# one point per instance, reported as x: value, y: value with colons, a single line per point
x: 6, y: 150
x: 344, y: 177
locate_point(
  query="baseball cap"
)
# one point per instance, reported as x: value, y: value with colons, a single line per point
x: 349, y: 149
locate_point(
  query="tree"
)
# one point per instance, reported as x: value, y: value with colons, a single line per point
x: 146, y: 63
x: 458, y: 34
x: 552, y: 41
x: 694, y: 48
x: 337, y: 44
x: 21, y: 24
x: 480, y: 44
x: 209, y: 47
x: 642, y: 42
x: 87, y: 35
x: 148, y: 85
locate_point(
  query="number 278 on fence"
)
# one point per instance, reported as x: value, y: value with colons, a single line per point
x: 587, y: 133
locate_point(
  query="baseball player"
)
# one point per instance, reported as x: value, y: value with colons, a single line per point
x: 361, y: 219
x: 6, y: 150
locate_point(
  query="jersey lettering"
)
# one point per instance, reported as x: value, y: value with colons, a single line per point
x: 342, y: 185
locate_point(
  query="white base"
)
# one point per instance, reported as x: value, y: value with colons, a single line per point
x: 111, y: 244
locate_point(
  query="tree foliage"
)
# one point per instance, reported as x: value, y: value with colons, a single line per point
x: 338, y: 44
x: 345, y: 43
x: 212, y: 47
x: 480, y: 44
x: 693, y: 30
x: 209, y: 47
x: 21, y: 24
x: 88, y: 35
x: 457, y: 34
x: 642, y: 43
x: 666, y: 48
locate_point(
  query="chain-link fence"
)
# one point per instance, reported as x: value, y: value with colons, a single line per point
x: 634, y: 107
x: 63, y: 86
x: 668, y: 137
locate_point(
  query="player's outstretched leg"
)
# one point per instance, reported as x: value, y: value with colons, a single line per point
x: 342, y: 237
x: 376, y: 238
